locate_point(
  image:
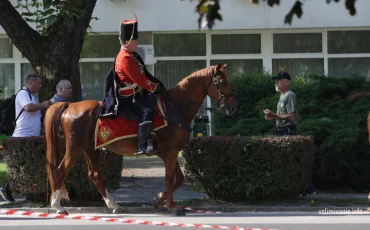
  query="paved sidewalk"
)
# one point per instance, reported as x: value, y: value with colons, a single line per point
x: 142, y: 179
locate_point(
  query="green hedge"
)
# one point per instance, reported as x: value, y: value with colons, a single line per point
x: 244, y: 168
x: 26, y: 162
x: 334, y: 111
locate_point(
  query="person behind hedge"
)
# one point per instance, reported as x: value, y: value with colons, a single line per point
x: 64, y: 92
x: 29, y: 121
x: 287, y: 108
x: 287, y: 113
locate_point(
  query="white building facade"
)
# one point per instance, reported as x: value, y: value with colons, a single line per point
x: 326, y: 40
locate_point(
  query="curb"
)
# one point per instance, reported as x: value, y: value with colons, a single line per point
x: 225, y: 209
x: 121, y: 220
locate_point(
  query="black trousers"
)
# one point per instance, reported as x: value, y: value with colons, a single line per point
x: 142, y: 104
x: 287, y: 130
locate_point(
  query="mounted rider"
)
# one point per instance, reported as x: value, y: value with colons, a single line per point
x: 137, y: 87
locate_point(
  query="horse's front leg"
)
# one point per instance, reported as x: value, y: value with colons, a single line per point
x: 171, y: 164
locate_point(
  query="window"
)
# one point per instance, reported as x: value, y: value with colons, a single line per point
x: 236, y: 44
x: 298, y: 43
x: 341, y: 42
x: 299, y: 66
x: 92, y: 76
x: 26, y: 69
x: 188, y: 44
x: 346, y: 67
x: 172, y: 72
x: 105, y: 46
x: 6, y: 48
x: 7, y: 85
x: 145, y: 38
x: 100, y: 46
x: 235, y: 67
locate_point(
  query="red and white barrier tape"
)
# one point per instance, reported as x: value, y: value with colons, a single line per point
x: 122, y: 220
x: 198, y: 211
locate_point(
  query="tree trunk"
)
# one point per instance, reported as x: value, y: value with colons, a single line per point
x: 55, y: 56
x: 54, y: 68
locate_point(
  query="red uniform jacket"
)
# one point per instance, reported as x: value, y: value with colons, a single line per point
x: 130, y: 71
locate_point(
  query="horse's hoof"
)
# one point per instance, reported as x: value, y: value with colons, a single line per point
x: 155, y: 204
x: 118, y: 210
x: 62, y: 213
x: 180, y: 212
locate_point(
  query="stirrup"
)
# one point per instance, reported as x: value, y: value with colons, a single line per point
x: 140, y: 153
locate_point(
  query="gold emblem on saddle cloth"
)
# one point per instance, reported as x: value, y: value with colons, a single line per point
x: 104, y: 134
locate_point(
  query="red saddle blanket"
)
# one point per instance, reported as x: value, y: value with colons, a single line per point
x: 109, y: 130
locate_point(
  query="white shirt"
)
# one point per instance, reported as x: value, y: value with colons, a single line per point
x: 28, y: 123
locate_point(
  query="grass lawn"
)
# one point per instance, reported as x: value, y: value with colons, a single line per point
x: 3, y: 170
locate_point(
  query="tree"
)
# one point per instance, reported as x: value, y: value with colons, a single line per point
x: 54, y: 47
x: 208, y: 10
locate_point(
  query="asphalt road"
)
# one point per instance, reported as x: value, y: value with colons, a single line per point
x: 281, y: 221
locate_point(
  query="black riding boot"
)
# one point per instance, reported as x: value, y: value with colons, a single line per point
x: 143, y: 136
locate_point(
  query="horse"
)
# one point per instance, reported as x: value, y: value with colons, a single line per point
x: 76, y: 122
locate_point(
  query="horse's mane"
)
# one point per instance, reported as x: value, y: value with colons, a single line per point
x: 185, y: 88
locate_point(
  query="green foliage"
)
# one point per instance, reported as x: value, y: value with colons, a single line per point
x: 26, y: 162
x: 45, y: 13
x: 2, y: 137
x: 249, y: 168
x: 248, y: 88
x: 334, y: 111
x: 208, y: 10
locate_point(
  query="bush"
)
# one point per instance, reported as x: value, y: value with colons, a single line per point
x: 26, y: 162
x: 244, y: 168
x: 334, y: 111
x: 248, y: 89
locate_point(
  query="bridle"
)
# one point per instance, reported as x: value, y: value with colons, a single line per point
x: 221, y: 97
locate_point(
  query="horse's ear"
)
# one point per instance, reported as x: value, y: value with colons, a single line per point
x: 218, y: 67
x: 224, y: 66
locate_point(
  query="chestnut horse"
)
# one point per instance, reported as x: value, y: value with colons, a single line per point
x: 76, y: 121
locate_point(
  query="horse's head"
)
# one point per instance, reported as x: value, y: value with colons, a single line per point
x: 220, y: 91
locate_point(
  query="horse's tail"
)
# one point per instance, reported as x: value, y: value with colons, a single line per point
x: 53, y: 154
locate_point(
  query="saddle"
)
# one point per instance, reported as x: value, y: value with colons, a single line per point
x: 125, y: 123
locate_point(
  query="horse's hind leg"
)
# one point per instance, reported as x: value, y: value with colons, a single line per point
x: 59, y: 175
x: 93, y: 162
x: 179, y: 180
x: 170, y: 181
